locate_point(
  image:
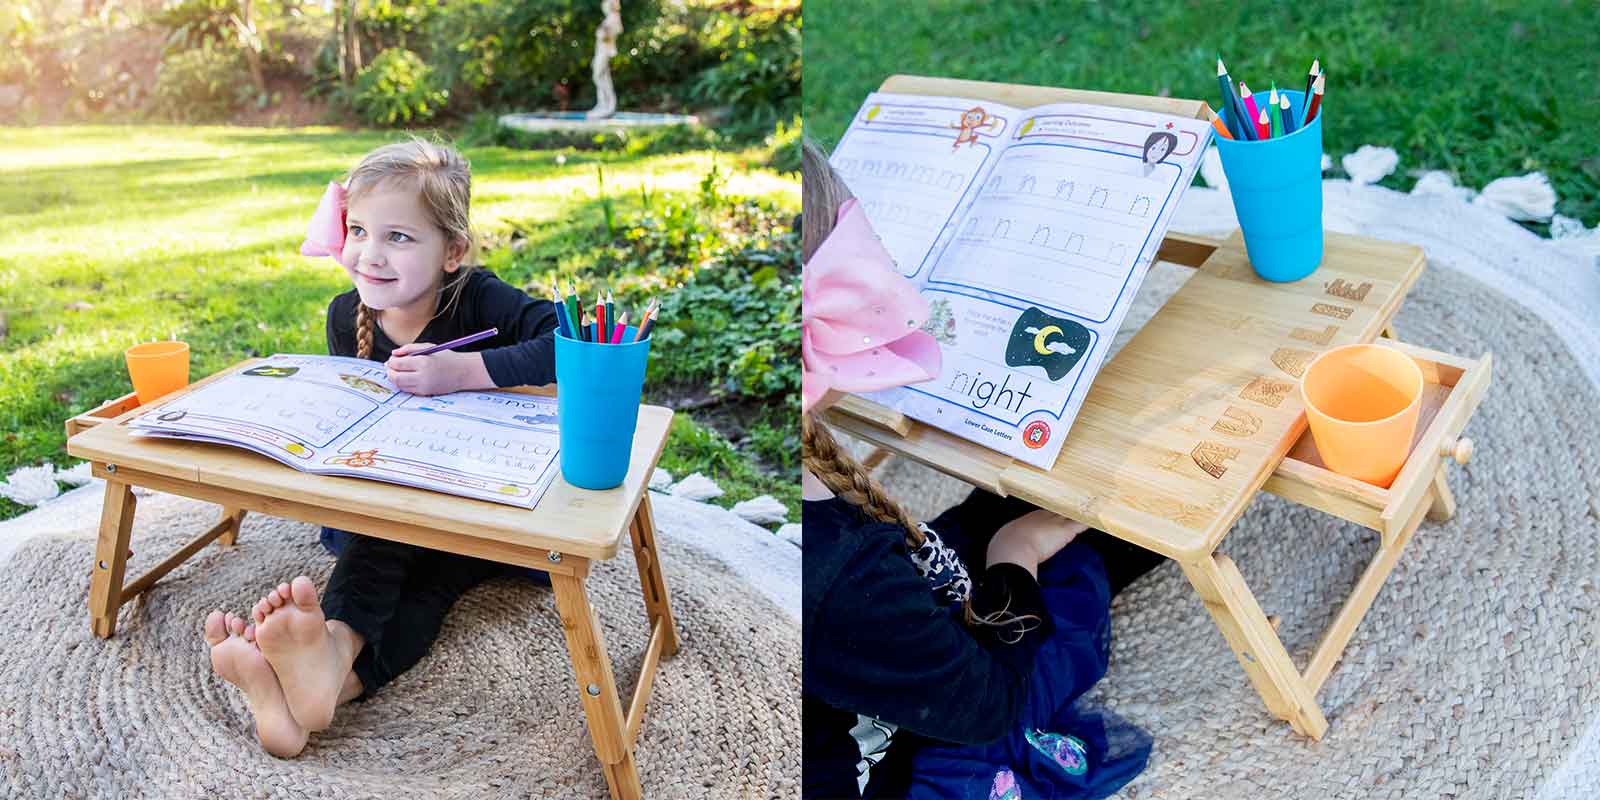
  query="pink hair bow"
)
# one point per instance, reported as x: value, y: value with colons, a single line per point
x: 861, y: 320
x: 325, y: 235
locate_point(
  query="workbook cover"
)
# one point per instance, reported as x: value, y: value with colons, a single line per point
x: 341, y: 416
x: 1029, y: 232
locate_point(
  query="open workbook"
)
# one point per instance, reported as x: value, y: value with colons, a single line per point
x: 341, y: 416
x: 1029, y: 231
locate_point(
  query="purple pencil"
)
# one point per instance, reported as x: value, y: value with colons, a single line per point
x: 457, y: 342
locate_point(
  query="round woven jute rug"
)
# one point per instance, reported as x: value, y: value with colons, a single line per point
x: 493, y: 711
x: 1477, y: 671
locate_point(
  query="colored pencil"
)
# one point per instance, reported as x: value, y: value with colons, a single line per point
x: 574, y: 313
x: 611, y: 315
x: 457, y: 342
x: 1311, y: 77
x: 561, y: 314
x: 1263, y: 126
x: 622, y: 323
x: 1314, y: 105
x: 599, y: 318
x: 1248, y: 100
x: 1216, y: 122
x: 1286, y: 113
x: 1231, y: 107
x: 646, y: 322
x: 1272, y: 111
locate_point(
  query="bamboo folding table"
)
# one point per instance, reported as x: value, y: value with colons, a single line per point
x: 1201, y: 409
x: 563, y: 535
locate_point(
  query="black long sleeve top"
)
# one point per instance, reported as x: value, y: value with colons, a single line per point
x: 877, y: 643
x: 523, y: 353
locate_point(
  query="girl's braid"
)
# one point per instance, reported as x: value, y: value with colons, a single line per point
x: 364, y: 323
x: 845, y: 477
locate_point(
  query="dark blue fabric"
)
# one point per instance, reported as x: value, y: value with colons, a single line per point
x: 1078, y: 596
x: 335, y: 541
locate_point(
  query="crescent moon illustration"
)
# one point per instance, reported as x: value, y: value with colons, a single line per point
x: 1044, y: 333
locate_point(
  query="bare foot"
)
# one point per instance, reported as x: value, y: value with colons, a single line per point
x: 311, y: 664
x: 240, y: 663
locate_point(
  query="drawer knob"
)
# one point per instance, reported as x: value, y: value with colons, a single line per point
x: 1460, y: 450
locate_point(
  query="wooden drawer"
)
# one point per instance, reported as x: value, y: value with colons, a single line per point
x: 1454, y: 386
x: 104, y: 413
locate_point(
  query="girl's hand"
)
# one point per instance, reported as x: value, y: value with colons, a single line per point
x: 1032, y: 539
x: 440, y: 373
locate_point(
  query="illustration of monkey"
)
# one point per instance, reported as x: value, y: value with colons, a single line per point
x: 972, y: 120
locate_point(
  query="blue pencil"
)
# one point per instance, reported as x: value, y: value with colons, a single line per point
x: 561, y: 314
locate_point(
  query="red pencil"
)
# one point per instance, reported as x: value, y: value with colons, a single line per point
x: 599, y: 319
x: 1316, y: 98
x: 1264, y: 125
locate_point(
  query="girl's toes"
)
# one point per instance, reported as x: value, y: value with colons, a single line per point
x: 215, y: 631
x: 250, y: 633
x: 275, y: 599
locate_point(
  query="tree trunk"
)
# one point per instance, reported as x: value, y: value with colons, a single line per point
x: 338, y: 33
x: 352, y: 41
x: 251, y: 44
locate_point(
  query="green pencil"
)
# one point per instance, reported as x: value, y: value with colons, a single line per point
x: 1272, y: 108
x: 572, y: 308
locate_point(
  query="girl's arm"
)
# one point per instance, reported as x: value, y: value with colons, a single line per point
x: 877, y: 644
x: 529, y: 322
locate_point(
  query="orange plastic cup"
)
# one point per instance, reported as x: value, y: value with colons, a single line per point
x: 158, y: 369
x: 1362, y: 401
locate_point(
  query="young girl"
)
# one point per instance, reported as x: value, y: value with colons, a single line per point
x: 399, y: 227
x: 940, y: 660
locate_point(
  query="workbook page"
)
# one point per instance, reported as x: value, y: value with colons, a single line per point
x: 290, y: 407
x: 496, y: 446
x: 915, y: 163
x: 1029, y: 293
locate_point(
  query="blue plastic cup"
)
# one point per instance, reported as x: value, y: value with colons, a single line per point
x: 1277, y: 194
x: 598, y: 387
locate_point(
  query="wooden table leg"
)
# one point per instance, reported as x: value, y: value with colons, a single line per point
x: 235, y: 518
x: 1257, y: 646
x: 597, y: 687
x: 1444, y: 503
x: 651, y: 579
x: 110, y: 558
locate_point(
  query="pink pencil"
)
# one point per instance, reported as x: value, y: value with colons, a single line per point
x: 1249, y: 102
x: 622, y: 322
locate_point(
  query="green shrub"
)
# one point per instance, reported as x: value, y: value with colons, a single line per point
x: 784, y: 144
x: 759, y: 75
x: 204, y: 84
x: 397, y: 87
x: 530, y: 53
x: 17, y: 31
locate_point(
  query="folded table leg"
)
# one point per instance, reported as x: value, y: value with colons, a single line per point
x: 651, y: 579
x: 110, y: 558
x: 1256, y: 644
x: 597, y: 687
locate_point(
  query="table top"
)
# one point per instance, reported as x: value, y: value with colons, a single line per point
x: 1184, y: 425
x: 569, y: 520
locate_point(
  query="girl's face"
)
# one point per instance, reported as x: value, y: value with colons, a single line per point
x: 393, y: 252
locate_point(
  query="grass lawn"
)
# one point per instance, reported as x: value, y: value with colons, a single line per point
x: 1482, y: 90
x: 116, y: 235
